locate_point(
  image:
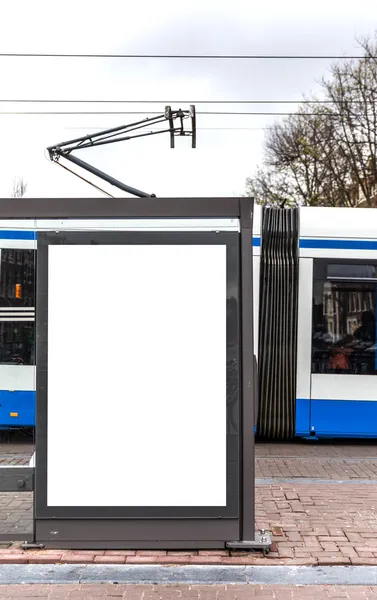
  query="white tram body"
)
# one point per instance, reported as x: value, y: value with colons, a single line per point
x: 336, y: 371
x: 324, y: 342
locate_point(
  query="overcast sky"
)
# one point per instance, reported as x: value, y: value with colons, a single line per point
x: 228, y: 148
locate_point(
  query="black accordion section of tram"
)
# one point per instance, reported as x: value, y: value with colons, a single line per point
x: 278, y: 316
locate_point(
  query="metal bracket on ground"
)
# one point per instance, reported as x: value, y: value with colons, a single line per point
x: 16, y: 479
x: 32, y: 546
x: 262, y: 541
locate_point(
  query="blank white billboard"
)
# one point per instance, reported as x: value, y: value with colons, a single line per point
x: 136, y: 375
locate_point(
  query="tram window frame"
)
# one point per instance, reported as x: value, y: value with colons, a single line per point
x: 320, y: 267
x: 321, y: 275
x: 9, y: 279
x: 20, y: 356
x: 17, y: 313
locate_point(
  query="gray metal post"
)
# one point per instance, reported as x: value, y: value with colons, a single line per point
x: 250, y: 539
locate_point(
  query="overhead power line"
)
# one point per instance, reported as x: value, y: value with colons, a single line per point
x: 164, y: 102
x: 198, y: 128
x: 134, y: 112
x: 187, y: 56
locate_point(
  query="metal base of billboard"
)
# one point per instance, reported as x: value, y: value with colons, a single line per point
x: 262, y: 541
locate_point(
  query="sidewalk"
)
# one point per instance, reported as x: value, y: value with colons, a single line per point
x: 194, y: 592
x: 316, y: 460
x: 314, y: 519
x: 316, y: 524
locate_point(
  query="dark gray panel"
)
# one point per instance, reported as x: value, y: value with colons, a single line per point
x: 140, y: 530
x: 18, y: 536
x: 231, y: 510
x: 204, y: 238
x: 136, y: 545
x: 50, y: 208
x: 248, y: 374
x: 16, y: 479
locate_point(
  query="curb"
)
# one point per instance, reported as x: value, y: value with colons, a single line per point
x: 194, y: 575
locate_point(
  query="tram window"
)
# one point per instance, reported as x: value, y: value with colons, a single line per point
x: 17, y: 301
x: 351, y: 271
x: 17, y: 278
x: 17, y: 343
x: 344, y: 324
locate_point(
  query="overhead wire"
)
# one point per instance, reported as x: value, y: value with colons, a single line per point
x: 165, y: 102
x: 198, y: 128
x: 168, y: 56
x: 138, y: 112
x: 186, y: 56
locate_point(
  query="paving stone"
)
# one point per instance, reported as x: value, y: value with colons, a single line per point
x: 308, y: 520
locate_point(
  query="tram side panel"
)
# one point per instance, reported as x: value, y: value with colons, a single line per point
x: 343, y: 359
x: 304, y: 343
x: 336, y: 384
x: 17, y: 322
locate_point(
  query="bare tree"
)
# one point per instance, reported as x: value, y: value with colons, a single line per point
x: 326, y: 153
x: 302, y: 156
x: 269, y: 188
x: 352, y: 90
x: 19, y: 187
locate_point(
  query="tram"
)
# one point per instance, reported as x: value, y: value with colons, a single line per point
x: 315, y: 286
x: 315, y: 297
x: 17, y: 324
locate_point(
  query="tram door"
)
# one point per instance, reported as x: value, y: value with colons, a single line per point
x: 343, y: 391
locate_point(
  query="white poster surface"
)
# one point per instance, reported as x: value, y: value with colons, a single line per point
x: 136, y: 375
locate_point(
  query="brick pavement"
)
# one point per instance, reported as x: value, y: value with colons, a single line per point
x: 16, y: 448
x: 322, y: 467
x: 316, y: 468
x: 300, y: 459
x: 16, y: 509
x: 311, y: 525
x: 283, y: 460
x: 320, y: 524
x: 324, y: 448
x: 192, y: 592
x: 16, y: 513
x: 316, y: 460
